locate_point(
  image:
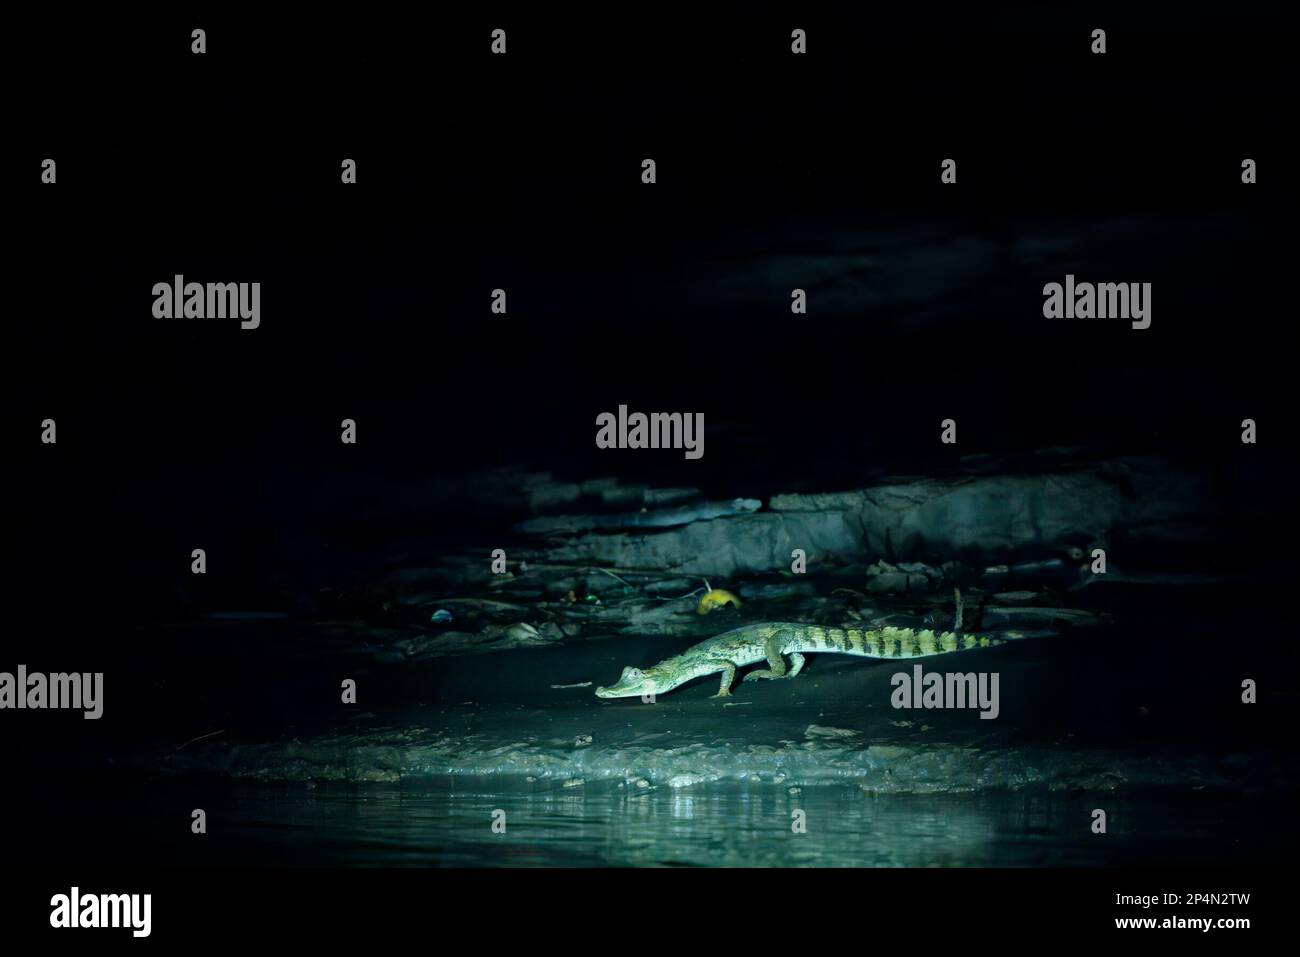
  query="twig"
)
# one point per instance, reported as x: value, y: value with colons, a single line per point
x: 849, y: 591
x: 706, y: 589
x: 613, y: 576
x: 586, y: 566
x: 200, y: 738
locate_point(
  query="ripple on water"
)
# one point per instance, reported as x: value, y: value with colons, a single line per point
x: 449, y: 823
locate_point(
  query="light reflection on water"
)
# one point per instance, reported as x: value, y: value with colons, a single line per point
x: 449, y: 824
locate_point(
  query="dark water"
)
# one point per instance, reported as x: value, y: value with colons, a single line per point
x: 449, y: 824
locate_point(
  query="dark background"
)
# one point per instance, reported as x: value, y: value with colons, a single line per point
x: 524, y: 172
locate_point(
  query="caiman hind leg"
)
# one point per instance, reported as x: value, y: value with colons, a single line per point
x: 796, y: 662
x: 728, y: 676
x: 775, y: 662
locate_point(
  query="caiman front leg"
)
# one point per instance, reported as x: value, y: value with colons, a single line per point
x: 728, y: 676
x: 775, y: 662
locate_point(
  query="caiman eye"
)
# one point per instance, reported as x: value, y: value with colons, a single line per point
x: 631, y: 673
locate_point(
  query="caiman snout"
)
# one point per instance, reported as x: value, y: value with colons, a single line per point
x: 630, y: 683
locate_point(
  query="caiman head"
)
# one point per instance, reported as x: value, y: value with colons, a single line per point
x: 635, y: 683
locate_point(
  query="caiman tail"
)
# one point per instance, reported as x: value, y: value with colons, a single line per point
x: 882, y: 642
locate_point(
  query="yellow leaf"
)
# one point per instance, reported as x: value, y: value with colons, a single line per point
x: 716, y: 599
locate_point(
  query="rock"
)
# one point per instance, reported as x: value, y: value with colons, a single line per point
x: 651, y: 518
x: 553, y: 495
x: 774, y: 591
x: 598, y: 485
x: 817, y: 502
x: 723, y: 548
x: 668, y: 496
x: 685, y: 780
x: 888, y: 752
x: 989, y: 518
x: 670, y: 586
x: 1075, y: 616
x: 523, y: 633
x: 494, y: 637
x: 1005, y: 513
x: 1114, y: 576
x: 896, y: 583
x: 623, y: 496
x: 1051, y: 571
x: 821, y: 731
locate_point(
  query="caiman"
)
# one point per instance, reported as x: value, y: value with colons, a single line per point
x: 772, y: 641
